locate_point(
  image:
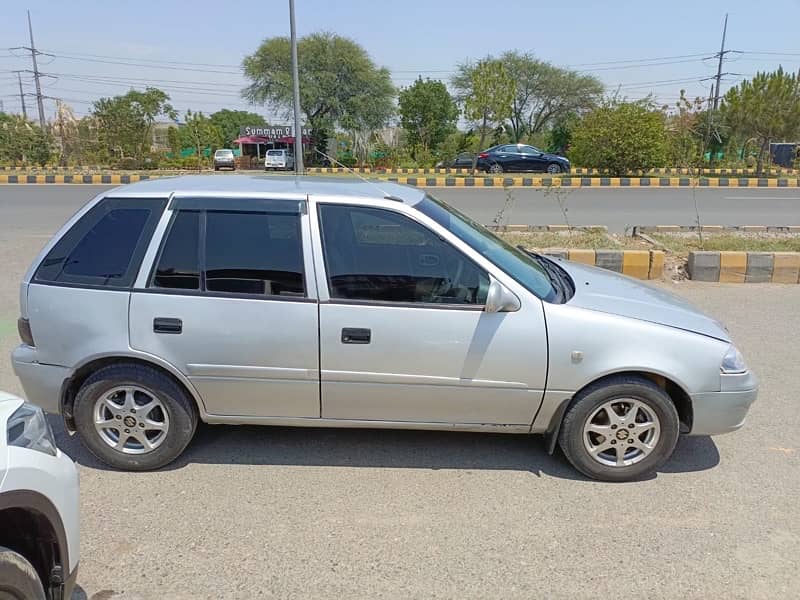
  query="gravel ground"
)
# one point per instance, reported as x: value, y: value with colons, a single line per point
x: 253, y: 512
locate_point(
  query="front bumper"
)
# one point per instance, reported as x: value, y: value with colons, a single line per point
x: 42, y: 383
x: 714, y: 413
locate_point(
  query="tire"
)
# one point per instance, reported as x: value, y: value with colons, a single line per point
x: 648, y: 446
x: 175, y: 415
x: 495, y: 168
x: 18, y: 579
x: 553, y: 168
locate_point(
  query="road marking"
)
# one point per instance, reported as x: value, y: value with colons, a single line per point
x: 761, y: 197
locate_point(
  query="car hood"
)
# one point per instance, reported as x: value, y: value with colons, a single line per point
x: 605, y: 291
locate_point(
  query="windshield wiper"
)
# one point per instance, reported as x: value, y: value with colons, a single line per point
x: 559, y: 278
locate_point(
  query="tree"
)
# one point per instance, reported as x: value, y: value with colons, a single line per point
x: 487, y: 91
x: 230, y: 121
x: 23, y: 142
x: 339, y: 83
x: 125, y: 123
x: 428, y: 113
x: 765, y: 108
x: 686, y: 131
x: 201, y: 134
x: 622, y: 137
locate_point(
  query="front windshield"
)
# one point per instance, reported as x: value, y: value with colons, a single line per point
x: 224, y: 152
x: 513, y: 261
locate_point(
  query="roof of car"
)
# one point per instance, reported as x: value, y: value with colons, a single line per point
x: 282, y: 186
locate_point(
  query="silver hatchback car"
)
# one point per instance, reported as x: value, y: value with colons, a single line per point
x: 332, y: 303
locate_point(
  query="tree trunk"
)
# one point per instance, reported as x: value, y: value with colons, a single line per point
x: 480, y: 145
x: 761, y: 152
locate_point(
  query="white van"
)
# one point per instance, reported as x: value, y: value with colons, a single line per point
x: 279, y: 159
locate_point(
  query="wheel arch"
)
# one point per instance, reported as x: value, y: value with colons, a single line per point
x: 676, y: 392
x: 91, y: 365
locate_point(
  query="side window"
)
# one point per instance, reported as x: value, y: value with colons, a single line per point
x: 380, y: 255
x: 105, y: 247
x: 254, y: 253
x: 178, y: 265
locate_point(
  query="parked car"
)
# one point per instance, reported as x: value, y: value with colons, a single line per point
x: 279, y: 160
x: 224, y: 159
x: 461, y: 161
x: 39, y: 510
x: 345, y: 303
x: 508, y: 158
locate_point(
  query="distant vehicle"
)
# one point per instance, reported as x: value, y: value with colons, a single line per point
x: 520, y: 157
x: 317, y: 302
x: 279, y: 160
x: 39, y: 508
x: 461, y: 161
x: 224, y: 159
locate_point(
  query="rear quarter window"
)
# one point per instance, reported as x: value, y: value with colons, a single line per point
x: 105, y: 247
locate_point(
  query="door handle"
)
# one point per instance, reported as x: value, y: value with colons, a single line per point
x: 355, y: 335
x: 166, y: 325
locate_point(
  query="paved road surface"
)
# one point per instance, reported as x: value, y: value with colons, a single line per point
x: 615, y: 208
x: 253, y: 512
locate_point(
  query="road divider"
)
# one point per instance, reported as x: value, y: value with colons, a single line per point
x: 641, y: 264
x: 744, y: 267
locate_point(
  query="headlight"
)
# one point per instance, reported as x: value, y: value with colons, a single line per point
x: 28, y: 428
x: 733, y: 362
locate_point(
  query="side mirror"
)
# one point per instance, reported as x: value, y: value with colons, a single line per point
x: 500, y: 299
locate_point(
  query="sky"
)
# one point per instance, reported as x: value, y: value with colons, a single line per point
x: 193, y: 50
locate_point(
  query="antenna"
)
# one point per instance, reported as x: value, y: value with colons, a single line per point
x: 386, y: 195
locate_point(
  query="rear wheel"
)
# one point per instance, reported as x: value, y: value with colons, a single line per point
x: 554, y: 168
x: 620, y: 429
x: 495, y: 168
x: 134, y: 417
x: 18, y: 577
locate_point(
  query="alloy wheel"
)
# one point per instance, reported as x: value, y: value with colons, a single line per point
x: 131, y: 420
x: 621, y: 432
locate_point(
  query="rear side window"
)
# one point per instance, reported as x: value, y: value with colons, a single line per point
x: 250, y: 253
x: 105, y: 247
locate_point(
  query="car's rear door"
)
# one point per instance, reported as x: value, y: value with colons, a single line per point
x: 231, y: 303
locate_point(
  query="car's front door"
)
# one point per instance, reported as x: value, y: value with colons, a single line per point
x: 228, y: 303
x: 403, y: 333
x: 532, y: 159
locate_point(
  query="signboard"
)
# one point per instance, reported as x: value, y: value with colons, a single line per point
x: 271, y: 132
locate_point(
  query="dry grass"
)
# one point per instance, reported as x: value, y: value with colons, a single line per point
x: 591, y: 239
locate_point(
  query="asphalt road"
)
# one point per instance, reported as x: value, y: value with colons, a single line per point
x: 253, y: 512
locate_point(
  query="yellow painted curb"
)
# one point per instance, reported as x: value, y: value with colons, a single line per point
x: 656, y: 264
x: 586, y: 257
x: 636, y: 263
x: 786, y: 267
x: 732, y: 267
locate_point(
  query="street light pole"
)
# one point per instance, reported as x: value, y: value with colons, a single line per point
x: 298, y: 130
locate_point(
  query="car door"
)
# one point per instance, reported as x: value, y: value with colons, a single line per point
x: 403, y: 333
x: 228, y: 303
x: 509, y: 157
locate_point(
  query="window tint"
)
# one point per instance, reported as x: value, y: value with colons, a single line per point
x: 254, y: 253
x: 105, y: 247
x: 380, y: 255
x: 179, y: 265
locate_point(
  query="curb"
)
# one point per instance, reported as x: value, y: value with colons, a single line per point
x: 574, y: 171
x: 544, y: 228
x: 714, y: 229
x: 744, y: 267
x: 640, y: 264
x: 449, y: 182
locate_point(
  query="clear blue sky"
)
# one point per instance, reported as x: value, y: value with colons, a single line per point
x: 410, y: 38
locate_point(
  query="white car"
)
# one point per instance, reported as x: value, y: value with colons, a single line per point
x: 39, y: 509
x: 279, y: 159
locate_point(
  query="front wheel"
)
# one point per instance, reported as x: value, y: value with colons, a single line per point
x: 134, y: 417
x: 620, y: 429
x: 554, y: 168
x: 18, y: 577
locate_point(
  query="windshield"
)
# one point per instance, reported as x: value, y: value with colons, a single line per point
x: 275, y: 152
x: 511, y: 260
x: 224, y: 153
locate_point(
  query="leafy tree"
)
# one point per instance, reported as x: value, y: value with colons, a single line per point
x: 622, y: 137
x: 686, y: 131
x: 23, y: 142
x: 125, y: 123
x: 487, y: 91
x: 200, y: 133
x: 428, y: 113
x: 229, y: 122
x: 339, y: 83
x: 765, y: 108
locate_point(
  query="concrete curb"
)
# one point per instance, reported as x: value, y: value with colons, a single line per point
x: 744, y: 267
x: 545, y: 228
x: 714, y: 229
x: 640, y: 264
x: 457, y: 182
x: 580, y: 171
